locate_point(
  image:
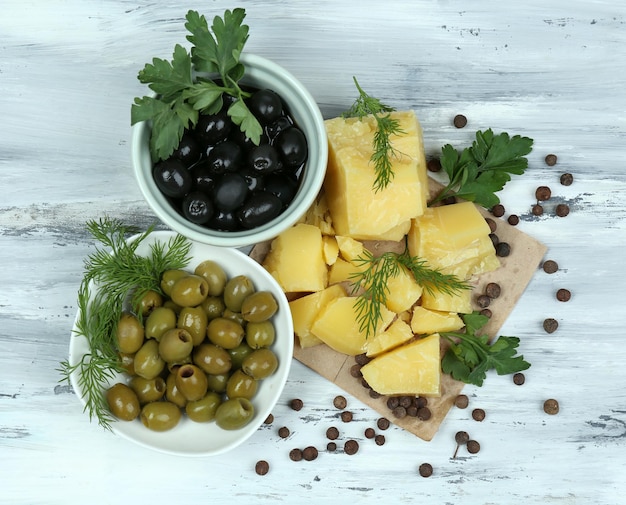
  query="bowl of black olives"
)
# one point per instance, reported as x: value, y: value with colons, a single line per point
x: 221, y: 187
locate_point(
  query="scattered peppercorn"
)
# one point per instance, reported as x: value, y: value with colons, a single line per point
x: 461, y: 438
x: 346, y: 416
x: 567, y: 179
x: 269, y: 419
x: 340, y: 402
x: 421, y: 401
x: 492, y: 224
x: 361, y: 359
x: 550, y: 325
x: 393, y: 402
x: 309, y: 453
x: 478, y: 415
x: 473, y: 446
x: 374, y: 394
x: 460, y: 121
x: 551, y: 160
x: 461, y: 401
x: 399, y: 412
x: 550, y: 266
x: 295, y: 454
x: 537, y: 210
x: 483, y: 301
x: 493, y: 290
x: 355, y: 371
x: 332, y: 433
x: 331, y: 446
x: 519, y: 378
x: 412, y: 410
x: 563, y: 295
x: 296, y: 404
x: 426, y: 469
x: 433, y: 165
x: 503, y: 249
x: 486, y: 313
x: 562, y: 210
x: 498, y: 210
x: 351, y: 447
x: 406, y: 401
x: 513, y: 219
x: 494, y: 239
x: 551, y: 407
x: 380, y: 439
x: 383, y: 423
x: 424, y: 414
x: 283, y: 432
x: 370, y: 433
x: 543, y: 193
x: 262, y: 467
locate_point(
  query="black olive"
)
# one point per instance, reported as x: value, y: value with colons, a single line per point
x: 172, y: 177
x: 246, y: 144
x: 223, y: 221
x: 259, y: 209
x: 275, y: 128
x: 292, y: 146
x: 266, y: 106
x: 254, y: 180
x: 197, y: 207
x: 264, y: 159
x: 211, y: 128
x: 188, y: 150
x: 226, y: 156
x: 203, y: 179
x: 230, y: 191
x: 281, y: 185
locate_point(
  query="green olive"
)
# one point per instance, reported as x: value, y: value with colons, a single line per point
x: 148, y: 390
x: 128, y: 363
x: 234, y: 413
x: 204, y: 409
x: 148, y: 361
x: 190, y: 291
x: 175, y: 345
x: 213, y: 306
x: 159, y: 321
x: 160, y: 416
x: 171, y: 305
x: 212, y: 359
x: 238, y: 354
x: 214, y: 275
x: 234, y: 316
x: 225, y: 332
x: 169, y: 278
x: 195, y: 321
x: 259, y: 306
x: 217, y: 383
x: 123, y: 402
x: 260, y: 334
x: 171, y: 391
x: 129, y: 334
x: 241, y: 385
x: 260, y: 364
x: 148, y: 302
x: 236, y: 291
x: 192, y: 382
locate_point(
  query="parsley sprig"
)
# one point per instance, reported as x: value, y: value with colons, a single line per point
x: 372, y: 283
x: 470, y: 355
x: 479, y: 171
x: 386, y: 126
x: 183, y: 88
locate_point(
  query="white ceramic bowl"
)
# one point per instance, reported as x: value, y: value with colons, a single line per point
x: 189, y: 438
x: 260, y: 73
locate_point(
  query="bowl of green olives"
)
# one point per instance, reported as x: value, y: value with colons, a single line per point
x: 203, y: 359
x: 220, y: 188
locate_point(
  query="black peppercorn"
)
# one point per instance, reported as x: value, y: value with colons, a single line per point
x: 486, y: 313
x: 283, y: 432
x: 550, y: 266
x: 461, y: 401
x: 361, y: 359
x: 351, y: 447
x: 483, y: 301
x: 562, y: 210
x: 537, y: 210
x: 393, y: 402
x: 399, y: 412
x: 513, y: 219
x: 269, y: 419
x: 498, y: 210
x: 295, y: 454
x: 331, y: 446
x: 296, y: 404
x: 460, y: 121
x: 332, y: 433
x: 370, y: 433
x: 433, y: 165
x: 567, y: 179
x: 493, y: 290
x: 551, y: 407
x: 426, y: 470
x: 563, y: 295
x: 473, y: 446
x: 478, y: 415
x: 346, y: 416
x: 543, y: 193
x: 379, y: 439
x: 383, y: 423
x: 262, y: 467
x: 551, y: 160
x: 503, y: 249
x: 309, y: 453
x: 550, y: 325
x: 492, y: 224
x: 519, y: 379
x: 424, y: 414
x: 340, y: 402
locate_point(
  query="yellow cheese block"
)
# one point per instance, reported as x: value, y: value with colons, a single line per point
x: 330, y: 249
x: 296, y: 259
x: 426, y: 322
x: 403, y: 292
x: 342, y: 271
x: 414, y: 368
x: 398, y: 333
x: 349, y: 248
x: 337, y: 326
x: 356, y: 209
x: 304, y: 310
x: 460, y: 301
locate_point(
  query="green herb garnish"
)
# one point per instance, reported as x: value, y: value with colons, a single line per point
x: 479, y: 171
x: 113, y: 277
x: 184, y: 90
x: 372, y: 283
x: 470, y: 355
x: 383, y: 151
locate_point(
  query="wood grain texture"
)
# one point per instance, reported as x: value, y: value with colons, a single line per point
x: 550, y: 70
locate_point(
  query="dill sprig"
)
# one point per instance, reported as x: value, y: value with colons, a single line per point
x: 112, y: 274
x: 386, y: 126
x: 372, y: 283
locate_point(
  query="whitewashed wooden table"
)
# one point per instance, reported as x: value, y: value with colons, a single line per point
x: 553, y: 71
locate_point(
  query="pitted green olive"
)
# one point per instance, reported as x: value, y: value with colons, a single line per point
x: 159, y: 321
x: 192, y: 382
x: 237, y: 289
x: 225, y: 332
x: 260, y: 334
x: 234, y: 413
x: 169, y: 278
x: 260, y: 364
x: 160, y: 416
x: 195, y: 321
x: 171, y: 391
x: 148, y: 390
x: 171, y: 305
x: 217, y: 383
x: 175, y: 345
x: 214, y: 275
x: 129, y: 334
x: 128, y: 363
x: 212, y: 359
x: 238, y: 354
x: 241, y: 385
x: 204, y: 409
x: 148, y: 302
x: 123, y: 402
x: 189, y: 291
x: 213, y: 306
x: 234, y: 316
x: 148, y: 361
x: 259, y: 306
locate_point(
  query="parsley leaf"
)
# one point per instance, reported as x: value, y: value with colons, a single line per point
x: 470, y: 356
x: 480, y: 171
